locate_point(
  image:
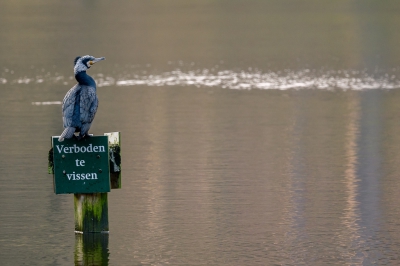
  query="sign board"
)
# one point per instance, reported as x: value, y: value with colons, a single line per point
x: 81, y: 166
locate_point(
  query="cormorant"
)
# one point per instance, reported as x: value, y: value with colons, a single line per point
x: 80, y: 103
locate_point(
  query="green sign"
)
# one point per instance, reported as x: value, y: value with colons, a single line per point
x: 81, y: 166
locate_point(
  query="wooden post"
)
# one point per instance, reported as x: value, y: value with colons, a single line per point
x: 91, y: 210
x: 91, y: 213
x: 84, y: 168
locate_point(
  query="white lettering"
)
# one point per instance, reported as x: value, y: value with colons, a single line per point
x: 77, y: 149
x: 80, y: 162
x: 59, y: 149
x: 81, y: 176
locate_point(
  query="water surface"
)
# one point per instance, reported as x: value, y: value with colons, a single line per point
x: 253, y: 133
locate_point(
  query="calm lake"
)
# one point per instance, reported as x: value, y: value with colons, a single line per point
x: 253, y: 132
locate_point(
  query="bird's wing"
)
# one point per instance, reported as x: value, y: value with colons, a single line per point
x: 88, y: 104
x: 68, y: 105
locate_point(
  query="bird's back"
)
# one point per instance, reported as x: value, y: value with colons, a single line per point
x: 79, y: 106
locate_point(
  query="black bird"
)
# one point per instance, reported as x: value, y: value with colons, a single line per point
x: 80, y: 103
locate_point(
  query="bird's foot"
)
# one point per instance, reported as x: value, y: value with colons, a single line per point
x: 87, y: 136
x: 80, y: 137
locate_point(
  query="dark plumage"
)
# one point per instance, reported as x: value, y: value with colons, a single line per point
x: 80, y: 103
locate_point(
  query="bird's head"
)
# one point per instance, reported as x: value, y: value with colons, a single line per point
x: 83, y: 63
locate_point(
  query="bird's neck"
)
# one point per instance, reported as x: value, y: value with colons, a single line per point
x: 85, y: 79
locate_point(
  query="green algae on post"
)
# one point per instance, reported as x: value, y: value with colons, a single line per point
x: 50, y: 164
x: 91, y: 213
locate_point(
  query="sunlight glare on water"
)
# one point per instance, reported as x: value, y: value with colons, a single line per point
x: 241, y: 80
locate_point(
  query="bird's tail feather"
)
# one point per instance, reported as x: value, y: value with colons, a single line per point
x: 67, y: 133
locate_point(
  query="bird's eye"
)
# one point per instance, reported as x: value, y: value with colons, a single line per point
x: 90, y: 62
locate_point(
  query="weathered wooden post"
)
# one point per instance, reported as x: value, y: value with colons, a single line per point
x: 84, y: 168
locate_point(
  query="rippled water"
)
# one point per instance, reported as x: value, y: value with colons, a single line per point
x: 253, y: 133
x: 242, y: 80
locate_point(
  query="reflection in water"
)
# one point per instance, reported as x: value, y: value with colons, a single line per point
x: 296, y: 236
x: 369, y: 171
x: 351, y: 215
x: 91, y: 249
